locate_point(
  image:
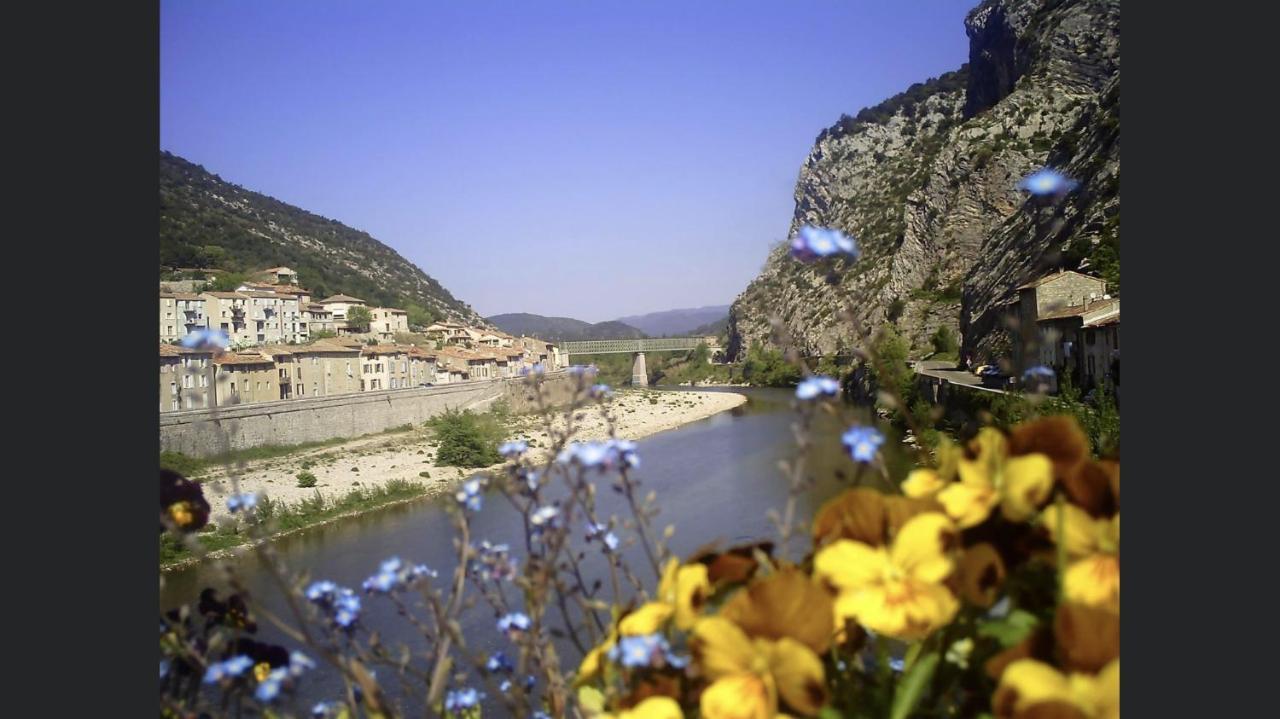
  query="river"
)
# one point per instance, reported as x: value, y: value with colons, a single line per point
x: 715, y: 479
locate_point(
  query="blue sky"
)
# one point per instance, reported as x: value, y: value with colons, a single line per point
x: 582, y: 159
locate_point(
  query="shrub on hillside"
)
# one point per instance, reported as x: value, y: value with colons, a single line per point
x: 306, y: 479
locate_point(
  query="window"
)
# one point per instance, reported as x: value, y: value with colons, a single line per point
x: 302, y: 390
x: 173, y: 388
x: 1090, y: 365
x: 176, y: 403
x: 204, y: 380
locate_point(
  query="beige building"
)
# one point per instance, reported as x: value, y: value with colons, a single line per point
x: 184, y: 378
x: 422, y: 366
x: 384, y: 367
x: 340, y: 304
x: 246, y: 377
x: 387, y: 322
x: 229, y: 312
x: 449, y: 333
x: 278, y: 275
x: 318, y: 318
x: 181, y: 313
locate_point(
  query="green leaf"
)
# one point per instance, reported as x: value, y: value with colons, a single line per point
x: 1011, y: 629
x: 912, y: 686
x: 829, y: 712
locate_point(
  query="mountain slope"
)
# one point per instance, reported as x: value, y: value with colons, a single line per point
x: 562, y: 328
x: 676, y: 322
x: 206, y: 222
x: 927, y: 182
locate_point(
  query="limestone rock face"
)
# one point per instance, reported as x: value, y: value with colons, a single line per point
x: 927, y: 183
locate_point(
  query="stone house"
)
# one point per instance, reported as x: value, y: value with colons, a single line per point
x: 1100, y: 352
x: 246, y: 377
x: 185, y: 378
x: 339, y: 305
x: 422, y: 366
x: 384, y: 367
x: 327, y: 368
x: 280, y: 275
x: 318, y: 318
x: 1041, y: 299
x: 479, y: 365
x: 387, y: 322
x: 1066, y: 335
x: 229, y: 312
x: 181, y: 313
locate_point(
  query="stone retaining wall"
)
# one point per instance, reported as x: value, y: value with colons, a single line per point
x: 287, y: 422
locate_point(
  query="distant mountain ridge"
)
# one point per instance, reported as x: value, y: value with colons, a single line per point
x: 678, y: 322
x: 206, y: 222
x: 562, y: 328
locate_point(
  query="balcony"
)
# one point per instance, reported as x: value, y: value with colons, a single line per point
x: 284, y: 377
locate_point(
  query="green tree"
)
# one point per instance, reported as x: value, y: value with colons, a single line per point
x: 944, y: 341
x: 769, y: 368
x: 419, y: 316
x: 359, y: 318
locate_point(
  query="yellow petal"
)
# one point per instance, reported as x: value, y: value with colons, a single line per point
x: 1027, y: 682
x: 1094, y: 581
x: 655, y: 708
x: 922, y: 483
x: 667, y: 587
x: 738, y: 696
x: 1028, y: 480
x: 591, y: 662
x: 786, y: 603
x: 903, y: 609
x: 924, y: 547
x: 1106, y: 700
x: 968, y: 504
x: 989, y: 450
x: 692, y: 590
x: 798, y: 673
x: 948, y: 454
x: 723, y: 649
x: 648, y: 619
x: 847, y: 564
x: 1080, y: 532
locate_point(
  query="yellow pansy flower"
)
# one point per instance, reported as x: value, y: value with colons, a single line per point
x: 651, y: 708
x: 1028, y: 683
x: 1018, y: 484
x: 1093, y: 545
x: 899, y: 591
x: 749, y: 675
x: 787, y: 603
x: 924, y: 482
x: 590, y: 665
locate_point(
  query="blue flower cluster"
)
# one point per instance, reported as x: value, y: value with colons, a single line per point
x: 469, y: 496
x: 458, y: 699
x: 604, y: 456
x: 542, y: 519
x: 324, y: 710
x: 600, y: 392
x: 513, y: 450
x: 811, y: 243
x: 394, y: 574
x: 601, y: 531
x: 342, y: 604
x: 494, y: 562
x: 237, y: 502
x: 206, y: 339
x: 536, y: 369
x: 513, y: 623
x: 645, y: 651
x: 816, y: 386
x: 579, y: 370
x: 499, y: 663
x: 530, y: 682
x: 228, y: 669
x: 1047, y: 182
x: 862, y: 442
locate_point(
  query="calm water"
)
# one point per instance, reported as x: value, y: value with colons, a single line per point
x: 715, y: 479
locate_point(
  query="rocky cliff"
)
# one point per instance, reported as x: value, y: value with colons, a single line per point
x: 927, y: 183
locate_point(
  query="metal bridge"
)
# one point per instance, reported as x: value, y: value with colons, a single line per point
x: 632, y: 346
x: 637, y: 347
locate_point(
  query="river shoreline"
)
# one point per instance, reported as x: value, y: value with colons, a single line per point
x: 372, y: 462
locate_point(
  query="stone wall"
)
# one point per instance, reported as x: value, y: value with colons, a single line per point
x: 316, y: 419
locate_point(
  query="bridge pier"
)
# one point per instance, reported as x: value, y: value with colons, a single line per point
x: 639, y: 373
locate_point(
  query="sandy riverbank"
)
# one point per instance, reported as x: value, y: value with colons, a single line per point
x: 374, y: 461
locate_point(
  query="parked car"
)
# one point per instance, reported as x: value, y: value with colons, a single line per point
x: 426, y: 384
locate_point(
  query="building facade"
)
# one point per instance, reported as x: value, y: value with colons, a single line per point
x: 185, y: 378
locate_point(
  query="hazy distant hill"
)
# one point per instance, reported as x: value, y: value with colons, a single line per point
x: 677, y: 322
x: 562, y: 328
x: 207, y: 222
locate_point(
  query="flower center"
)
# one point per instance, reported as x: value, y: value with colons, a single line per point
x: 181, y: 514
x: 261, y: 671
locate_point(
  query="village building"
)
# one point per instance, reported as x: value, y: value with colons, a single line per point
x: 181, y: 313
x: 184, y: 378
x: 1066, y: 321
x: 387, y: 322
x: 422, y: 366
x: 384, y: 367
x: 228, y: 311
x: 246, y: 377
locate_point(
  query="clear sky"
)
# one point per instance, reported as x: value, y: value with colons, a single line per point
x: 572, y: 158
